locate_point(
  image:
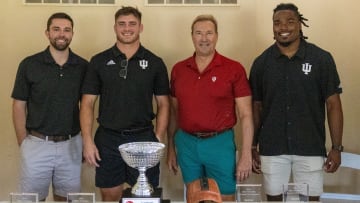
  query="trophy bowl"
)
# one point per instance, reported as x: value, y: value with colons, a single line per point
x: 142, y: 155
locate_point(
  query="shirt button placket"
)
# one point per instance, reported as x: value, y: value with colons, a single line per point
x: 61, y: 74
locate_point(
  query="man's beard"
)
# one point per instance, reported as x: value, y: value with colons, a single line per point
x: 284, y: 44
x: 60, y: 47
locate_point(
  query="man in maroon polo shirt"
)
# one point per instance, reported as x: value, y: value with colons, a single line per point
x: 206, y: 90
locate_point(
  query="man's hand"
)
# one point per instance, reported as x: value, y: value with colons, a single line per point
x: 171, y: 160
x: 243, y: 168
x: 333, y: 161
x: 91, y: 153
x: 256, y: 163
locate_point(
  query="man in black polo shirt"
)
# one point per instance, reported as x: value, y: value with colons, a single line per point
x: 293, y: 82
x: 46, y: 114
x: 126, y: 77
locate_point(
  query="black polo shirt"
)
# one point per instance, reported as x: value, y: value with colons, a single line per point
x: 126, y: 103
x: 52, y: 92
x: 293, y: 94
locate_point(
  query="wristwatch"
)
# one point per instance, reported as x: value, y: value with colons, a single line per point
x: 339, y: 148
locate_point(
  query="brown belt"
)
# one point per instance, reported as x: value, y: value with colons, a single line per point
x: 205, y: 135
x: 54, y: 138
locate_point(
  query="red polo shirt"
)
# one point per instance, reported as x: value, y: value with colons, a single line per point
x: 206, y: 101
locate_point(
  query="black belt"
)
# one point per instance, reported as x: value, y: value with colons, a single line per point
x: 54, y: 138
x: 136, y: 130
x: 205, y: 135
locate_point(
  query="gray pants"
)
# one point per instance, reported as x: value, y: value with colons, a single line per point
x: 43, y: 162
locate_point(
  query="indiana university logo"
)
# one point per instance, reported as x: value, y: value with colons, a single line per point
x: 143, y: 64
x: 306, y: 68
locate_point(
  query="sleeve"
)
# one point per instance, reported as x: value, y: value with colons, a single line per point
x: 241, y: 84
x: 162, y: 80
x: 91, y: 83
x: 172, y: 82
x: 255, y: 80
x: 22, y: 86
x: 330, y: 82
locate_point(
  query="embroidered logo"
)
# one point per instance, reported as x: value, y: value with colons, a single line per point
x: 213, y: 78
x: 306, y: 68
x: 143, y: 64
x: 111, y: 62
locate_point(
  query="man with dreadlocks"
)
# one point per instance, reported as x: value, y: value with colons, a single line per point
x: 293, y: 82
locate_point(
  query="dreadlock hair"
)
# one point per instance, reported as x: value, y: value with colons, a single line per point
x: 292, y: 7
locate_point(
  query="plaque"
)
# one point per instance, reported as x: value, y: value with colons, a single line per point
x: 248, y: 192
x: 24, y: 198
x: 81, y: 198
x: 296, y: 192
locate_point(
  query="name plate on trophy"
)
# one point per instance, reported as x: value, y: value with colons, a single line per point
x: 248, y: 192
x: 155, y: 197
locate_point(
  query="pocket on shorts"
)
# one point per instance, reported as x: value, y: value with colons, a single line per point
x: 34, y: 139
x: 317, y: 164
x: 23, y: 142
x: 30, y: 147
x: 309, y: 163
x: 28, y: 140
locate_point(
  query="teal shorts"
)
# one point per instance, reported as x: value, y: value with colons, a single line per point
x: 211, y: 157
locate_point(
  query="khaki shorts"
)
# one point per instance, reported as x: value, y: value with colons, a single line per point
x: 305, y: 169
x: 43, y: 162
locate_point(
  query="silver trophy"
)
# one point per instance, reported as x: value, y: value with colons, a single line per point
x: 142, y: 155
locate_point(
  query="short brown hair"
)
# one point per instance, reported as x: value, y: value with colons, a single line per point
x: 128, y: 10
x: 201, y: 18
x: 59, y: 15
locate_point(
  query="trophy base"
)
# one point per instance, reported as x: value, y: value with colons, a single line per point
x: 155, y: 197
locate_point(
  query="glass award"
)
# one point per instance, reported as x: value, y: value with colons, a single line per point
x: 248, y: 192
x: 81, y: 198
x: 24, y: 198
x: 296, y: 192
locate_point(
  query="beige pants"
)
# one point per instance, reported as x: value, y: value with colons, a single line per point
x: 305, y: 169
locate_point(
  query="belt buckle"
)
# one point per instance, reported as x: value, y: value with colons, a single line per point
x: 204, y: 135
x: 57, y: 138
x: 61, y: 138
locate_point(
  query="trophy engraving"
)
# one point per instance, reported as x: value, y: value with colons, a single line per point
x: 296, y: 192
x: 142, y: 155
x: 248, y: 192
x: 24, y: 197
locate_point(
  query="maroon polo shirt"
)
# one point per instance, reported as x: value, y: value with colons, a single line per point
x: 206, y: 101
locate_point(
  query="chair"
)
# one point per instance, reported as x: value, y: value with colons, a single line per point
x: 348, y: 160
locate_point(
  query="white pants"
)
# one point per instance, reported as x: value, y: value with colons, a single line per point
x: 305, y: 169
x: 43, y: 162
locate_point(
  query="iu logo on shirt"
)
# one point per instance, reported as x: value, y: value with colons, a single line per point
x: 213, y: 78
x: 143, y: 64
x: 306, y: 68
